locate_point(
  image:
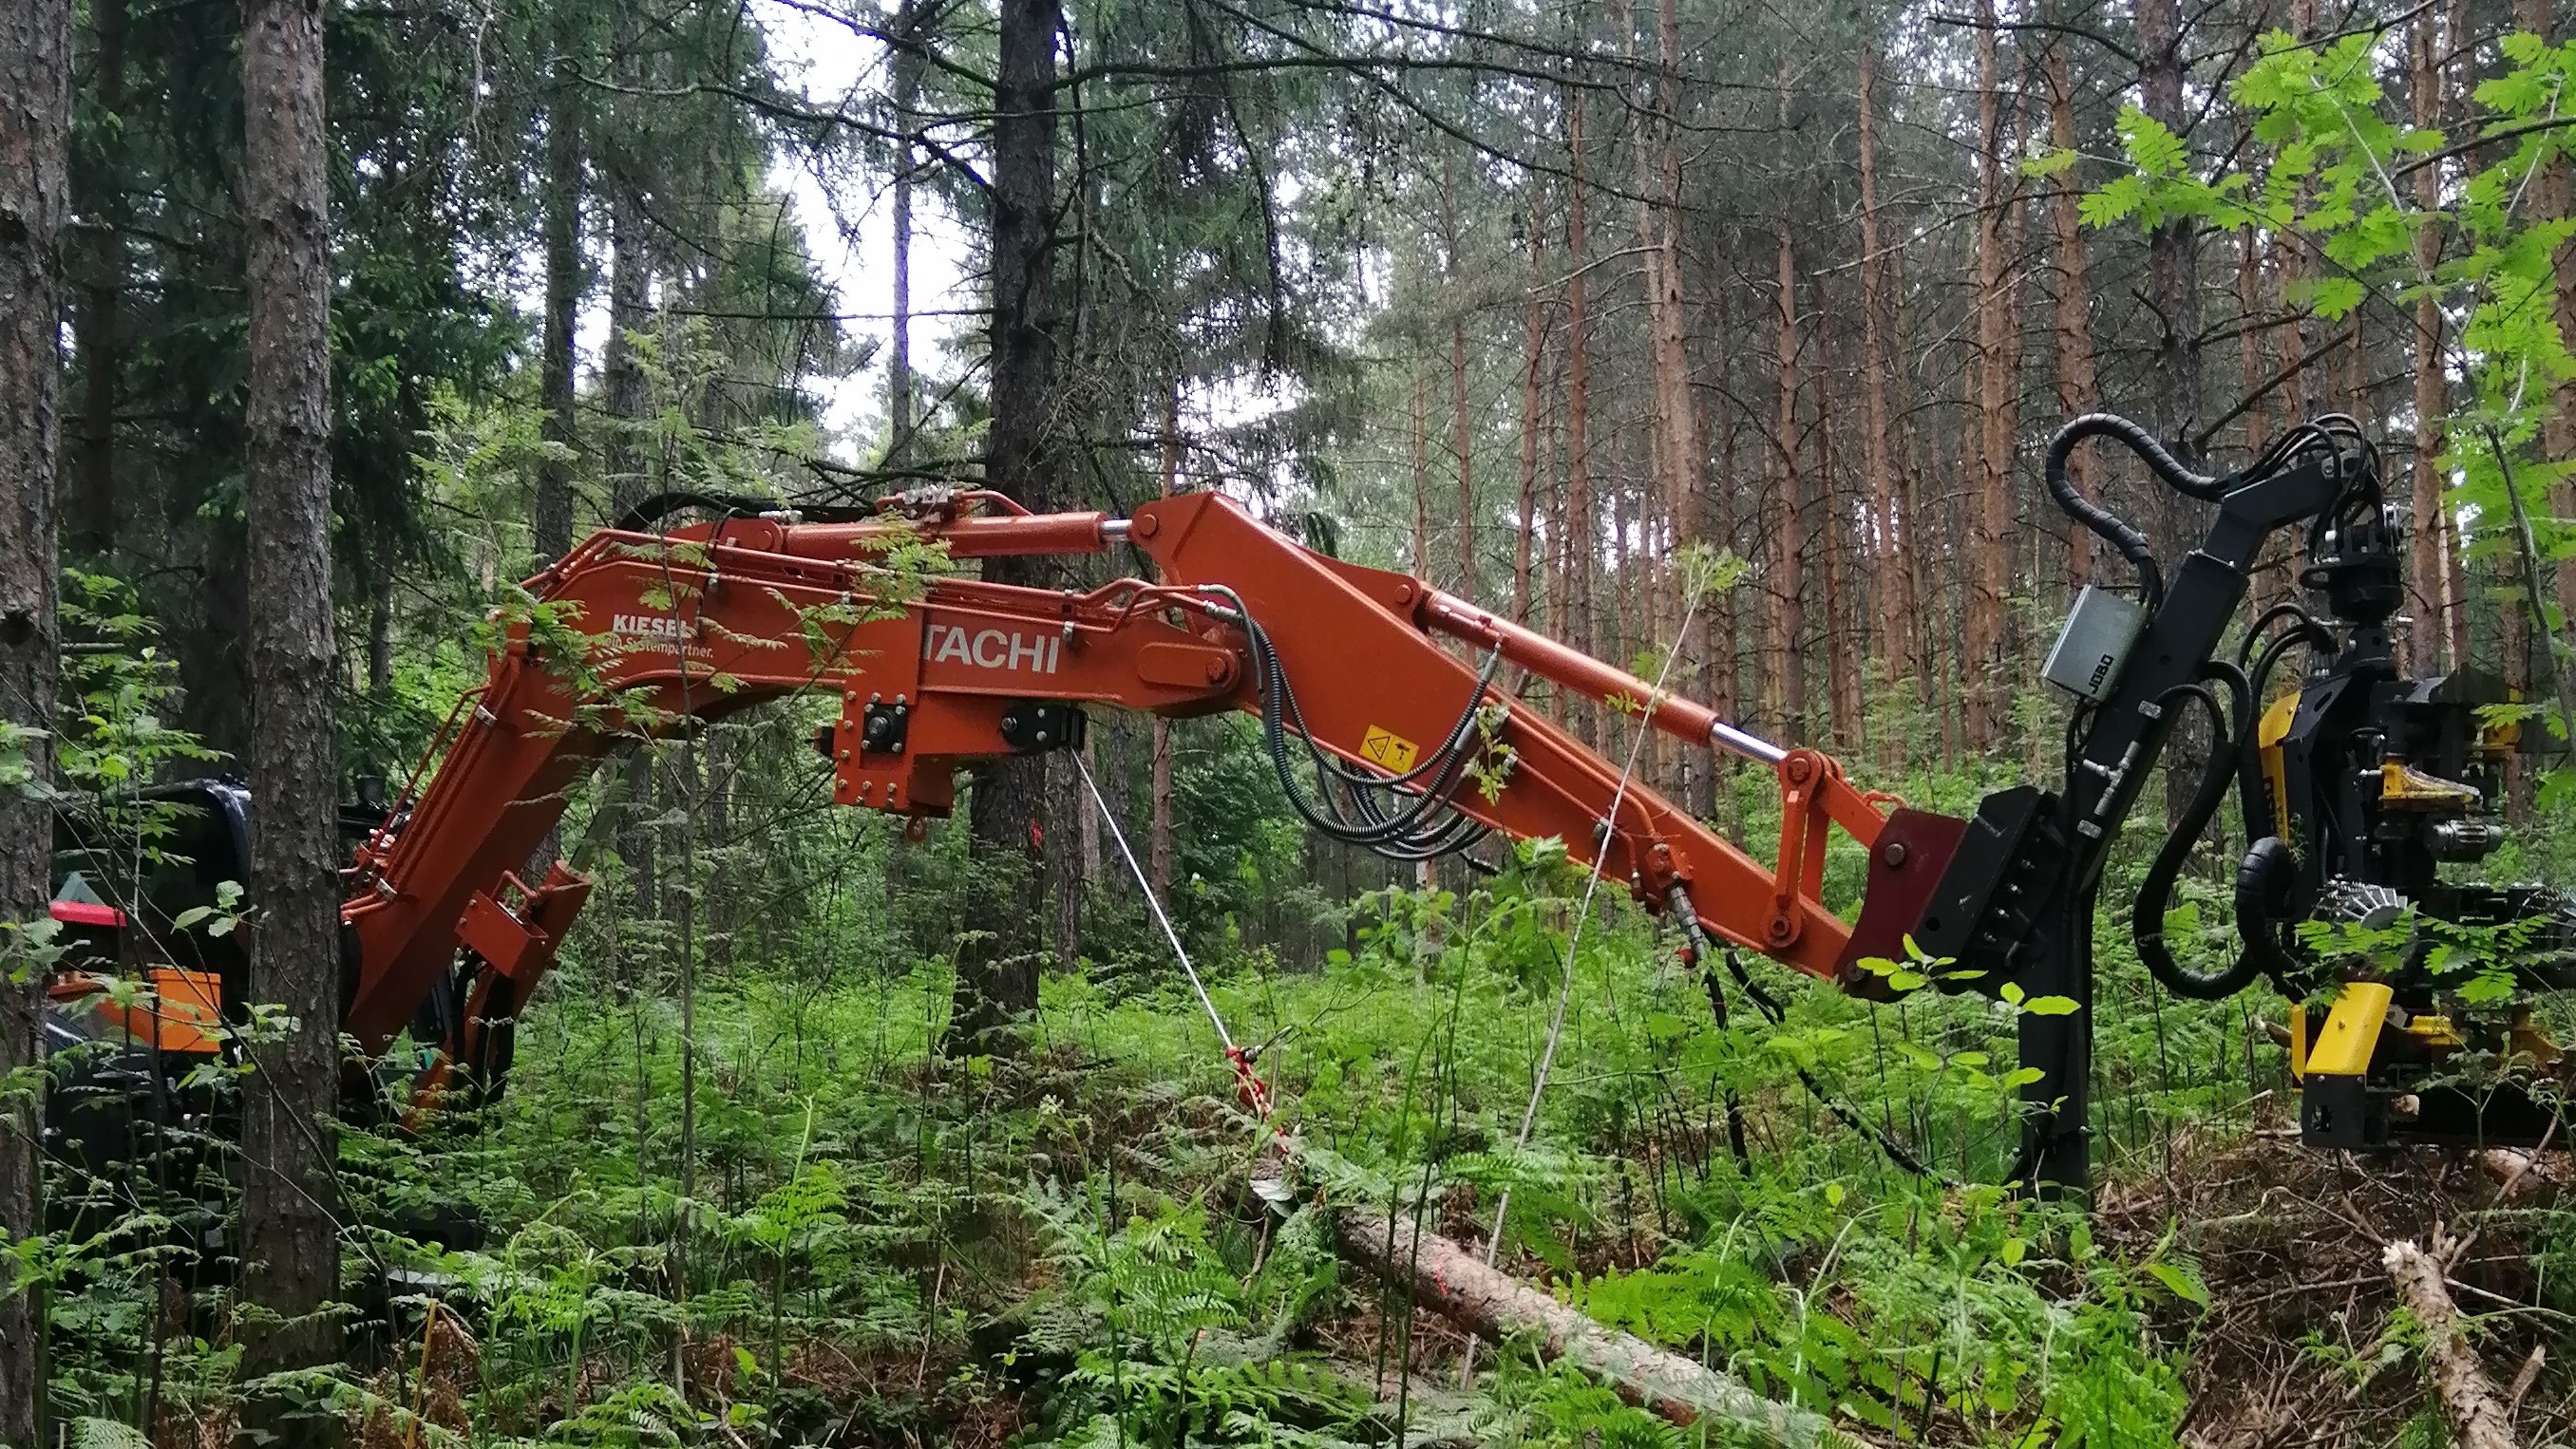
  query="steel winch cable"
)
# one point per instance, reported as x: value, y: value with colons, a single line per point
x: 1256, y: 1092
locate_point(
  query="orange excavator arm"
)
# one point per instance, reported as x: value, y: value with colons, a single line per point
x: 1355, y: 663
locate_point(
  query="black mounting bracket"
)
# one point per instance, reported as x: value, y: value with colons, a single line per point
x: 1032, y: 726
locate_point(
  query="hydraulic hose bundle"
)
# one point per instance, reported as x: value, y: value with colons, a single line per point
x: 2131, y: 544
x: 1402, y: 817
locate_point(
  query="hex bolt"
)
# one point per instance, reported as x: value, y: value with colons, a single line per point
x: 1893, y: 853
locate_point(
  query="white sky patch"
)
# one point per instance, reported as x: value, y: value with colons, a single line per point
x: 849, y: 229
x: 846, y: 216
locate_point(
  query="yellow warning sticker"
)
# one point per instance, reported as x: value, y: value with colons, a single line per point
x: 1388, y: 750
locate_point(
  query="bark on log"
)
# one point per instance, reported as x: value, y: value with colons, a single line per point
x: 1452, y: 1281
x: 2470, y: 1401
x: 2519, y: 1175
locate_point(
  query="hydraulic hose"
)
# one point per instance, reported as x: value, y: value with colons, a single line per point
x: 2259, y: 635
x: 2217, y: 777
x: 2262, y: 894
x: 2241, y: 696
x: 648, y: 513
x: 1425, y: 826
x: 2132, y: 544
x: 2256, y: 802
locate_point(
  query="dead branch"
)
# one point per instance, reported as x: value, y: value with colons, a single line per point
x: 2523, y: 1380
x: 2470, y: 1400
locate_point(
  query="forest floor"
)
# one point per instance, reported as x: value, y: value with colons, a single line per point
x: 2299, y: 1342
x: 830, y: 1234
x: 1060, y: 1246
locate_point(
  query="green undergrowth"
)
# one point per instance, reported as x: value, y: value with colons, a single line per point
x: 1059, y: 1244
x: 817, y: 1228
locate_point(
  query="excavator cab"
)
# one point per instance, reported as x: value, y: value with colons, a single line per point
x: 142, y: 891
x: 145, y: 892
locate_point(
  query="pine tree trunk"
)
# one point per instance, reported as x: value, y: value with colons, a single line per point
x: 1788, y: 663
x: 1918, y: 564
x: 1425, y: 873
x: 1068, y: 806
x: 906, y: 65
x: 1462, y: 431
x: 2428, y: 523
x: 2013, y: 644
x: 997, y: 977
x: 2550, y: 203
x: 2290, y: 266
x: 1989, y: 534
x: 1560, y: 550
x: 290, y: 1242
x: 1722, y: 690
x: 35, y: 138
x: 1418, y: 560
x: 2459, y: 74
x: 2272, y: 581
x: 622, y: 381
x: 380, y: 627
x: 621, y: 455
x: 1961, y: 511
x: 1920, y: 578
x: 1158, y: 849
x: 2173, y: 295
x: 565, y: 283
x: 1684, y: 450
x: 2078, y: 391
x: 95, y: 328
x: 715, y: 805
x: 1620, y: 629
x: 1889, y: 536
x: 1842, y: 675
x: 1685, y: 447
x: 1580, y: 518
x: 2253, y: 364
x: 1533, y: 363
x: 2172, y: 284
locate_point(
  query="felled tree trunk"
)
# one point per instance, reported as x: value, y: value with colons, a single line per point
x: 1455, y: 1283
x: 2470, y: 1401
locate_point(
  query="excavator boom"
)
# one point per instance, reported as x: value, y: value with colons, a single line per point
x: 636, y: 633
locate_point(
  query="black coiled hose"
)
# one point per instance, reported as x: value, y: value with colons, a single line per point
x: 2262, y: 895
x: 2132, y: 544
x: 2218, y: 776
